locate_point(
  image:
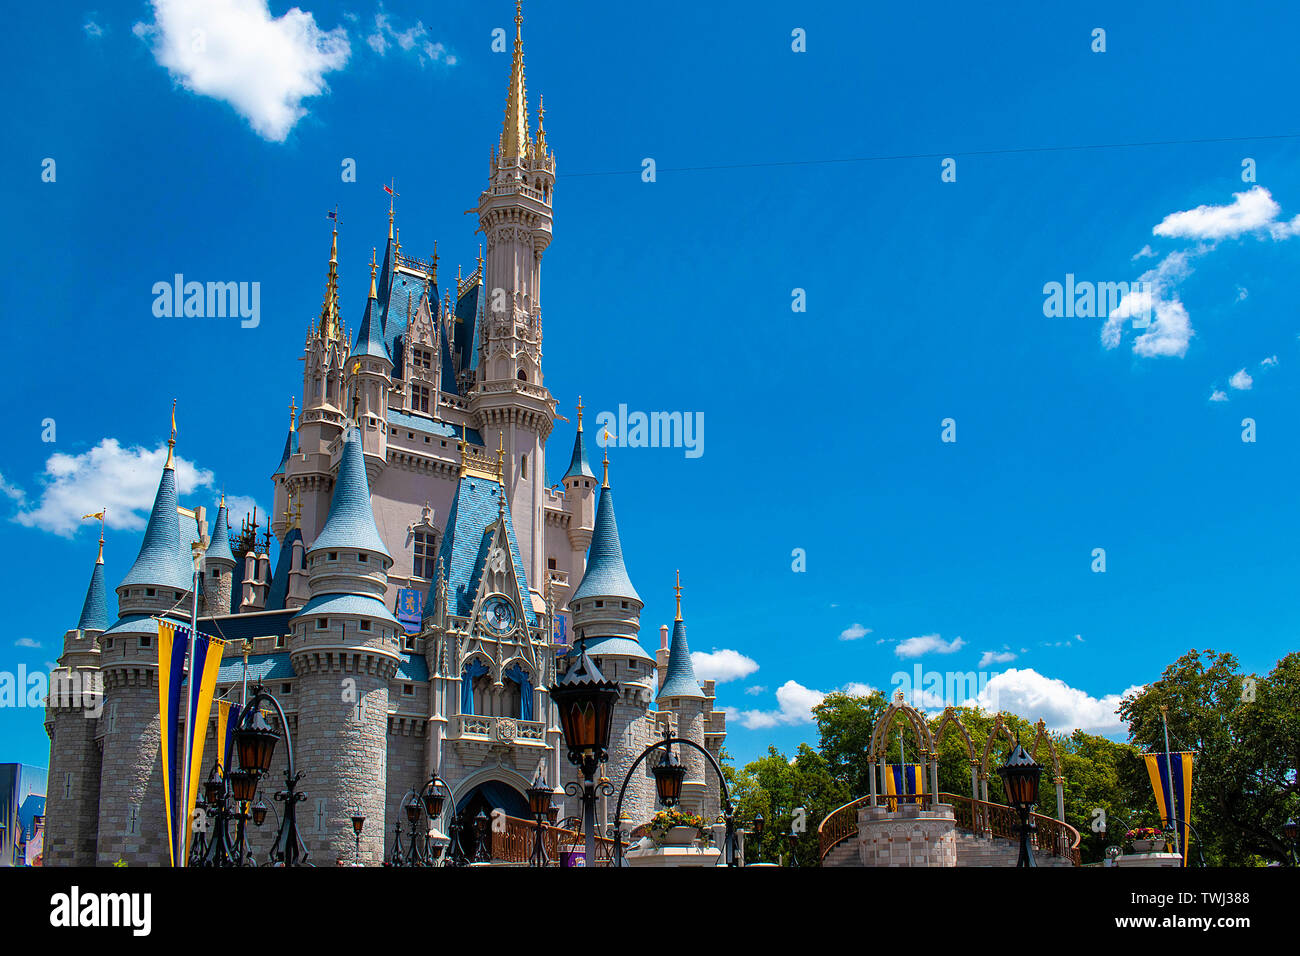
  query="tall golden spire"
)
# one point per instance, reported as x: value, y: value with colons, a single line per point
x: 293, y: 414
x: 171, y: 442
x: 678, y: 589
x: 605, y: 481
x: 579, y: 413
x: 374, y: 293
x: 514, y: 132
x: 329, y: 311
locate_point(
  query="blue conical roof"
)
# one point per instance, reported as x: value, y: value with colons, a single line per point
x: 161, y: 563
x: 94, y: 611
x: 370, y: 336
x: 351, y: 522
x: 579, y: 467
x: 219, y: 543
x: 290, y: 449
x: 606, y: 575
x: 680, y: 681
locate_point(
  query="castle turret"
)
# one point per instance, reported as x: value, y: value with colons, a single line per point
x: 580, y: 488
x: 76, y: 698
x: 279, y: 479
x: 344, y: 647
x: 680, y: 693
x: 514, y: 214
x: 369, y: 378
x: 160, y: 583
x: 218, y: 567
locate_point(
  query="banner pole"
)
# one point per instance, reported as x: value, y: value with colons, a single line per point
x: 1169, y: 780
x: 184, y: 836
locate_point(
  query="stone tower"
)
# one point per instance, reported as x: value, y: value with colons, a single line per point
x: 160, y: 582
x: 218, y: 566
x: 514, y: 214
x: 72, y: 789
x: 344, y: 647
x: 368, y: 371
x: 580, y: 487
x: 606, y: 621
x: 680, y: 694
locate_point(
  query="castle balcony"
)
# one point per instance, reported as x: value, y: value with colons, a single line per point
x: 481, y: 734
x: 559, y: 578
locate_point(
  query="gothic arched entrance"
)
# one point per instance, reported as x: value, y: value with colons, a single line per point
x: 486, y: 797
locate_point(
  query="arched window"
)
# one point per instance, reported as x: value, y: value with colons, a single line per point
x: 523, y: 467
x: 523, y: 376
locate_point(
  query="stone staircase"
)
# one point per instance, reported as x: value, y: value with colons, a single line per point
x: 973, y: 850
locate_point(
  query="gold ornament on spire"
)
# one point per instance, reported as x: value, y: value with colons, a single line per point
x: 605, y: 481
x: 171, y: 442
x: 293, y: 414
x: 374, y: 267
x: 100, y: 516
x: 515, y: 139
x: 678, y: 589
x: 329, y: 312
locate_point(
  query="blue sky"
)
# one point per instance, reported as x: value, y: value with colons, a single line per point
x: 822, y: 428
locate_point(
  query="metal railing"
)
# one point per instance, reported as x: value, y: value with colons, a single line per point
x: 1056, y: 837
x: 514, y: 844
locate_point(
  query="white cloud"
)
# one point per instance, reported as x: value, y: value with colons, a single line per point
x: 12, y: 492
x: 855, y: 632
x: 26, y: 642
x: 1146, y: 252
x: 756, y: 690
x: 722, y: 666
x: 414, y: 40
x: 122, y: 479
x: 928, y: 644
x: 92, y: 28
x: 1249, y: 211
x: 1241, y: 381
x: 235, y: 51
x: 1242, y: 293
x: 1218, y: 396
x: 1169, y: 329
x: 794, y: 704
x: 1064, y: 708
x: 988, y: 658
x: 1269, y: 362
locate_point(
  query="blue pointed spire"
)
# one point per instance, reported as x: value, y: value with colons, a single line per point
x: 579, y: 467
x: 351, y: 522
x: 161, y: 562
x: 219, y: 543
x: 290, y: 441
x: 370, y: 336
x: 94, y: 610
x: 606, y: 575
x: 680, y: 681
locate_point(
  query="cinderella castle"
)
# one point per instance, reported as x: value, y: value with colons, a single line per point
x: 429, y: 582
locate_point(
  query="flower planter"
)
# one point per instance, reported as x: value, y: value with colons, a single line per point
x: 676, y: 836
x: 1147, y: 846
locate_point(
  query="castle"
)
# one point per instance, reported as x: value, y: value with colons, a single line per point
x: 429, y: 582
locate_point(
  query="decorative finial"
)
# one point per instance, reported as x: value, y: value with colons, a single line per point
x: 501, y: 457
x: 605, y: 482
x: 293, y: 413
x: 397, y: 248
x: 579, y: 413
x: 435, y: 260
x: 678, y: 589
x: 463, y: 447
x: 171, y: 442
x: 100, y: 516
x: 374, y: 294
x: 391, y: 189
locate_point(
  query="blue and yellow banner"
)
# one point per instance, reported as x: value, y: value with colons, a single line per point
x: 173, y: 644
x: 905, y: 780
x: 228, y: 714
x: 1171, y: 779
x: 203, y: 688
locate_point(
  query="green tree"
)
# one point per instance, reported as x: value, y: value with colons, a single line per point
x: 792, y: 795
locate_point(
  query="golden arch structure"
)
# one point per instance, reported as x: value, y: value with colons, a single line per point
x: 926, y: 748
x: 1058, y: 779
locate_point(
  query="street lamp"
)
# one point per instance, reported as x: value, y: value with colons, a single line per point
x: 757, y: 827
x: 1020, y: 776
x: 358, y: 821
x: 1291, y: 830
x: 539, y: 805
x: 668, y: 774
x: 481, y: 824
x: 255, y: 743
x: 585, y: 701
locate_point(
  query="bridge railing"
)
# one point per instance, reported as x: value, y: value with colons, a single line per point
x: 514, y: 844
x: 974, y: 816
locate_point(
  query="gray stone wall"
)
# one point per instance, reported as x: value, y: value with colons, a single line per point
x: 72, y: 789
x: 132, y: 826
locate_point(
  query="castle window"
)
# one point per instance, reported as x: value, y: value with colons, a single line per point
x: 550, y: 564
x: 408, y: 690
x: 426, y: 550
x: 214, y: 573
x: 149, y: 592
x: 333, y: 556
x: 600, y: 604
x: 419, y: 398
x: 279, y: 641
x: 523, y: 467
x: 146, y: 641
x: 286, y: 689
x: 322, y: 623
x: 631, y: 667
x: 363, y: 558
x: 408, y: 643
x: 422, y: 358
x: 110, y: 643
x: 523, y: 376
x: 625, y: 605
x: 365, y: 625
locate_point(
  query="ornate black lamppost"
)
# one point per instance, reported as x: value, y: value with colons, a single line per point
x: 358, y: 821
x: 482, y: 828
x: 1291, y: 830
x: 794, y: 847
x: 1020, y: 776
x: 539, y: 805
x: 669, y: 774
x: 226, y: 797
x: 255, y: 742
x: 585, y: 701
x: 757, y: 829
